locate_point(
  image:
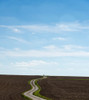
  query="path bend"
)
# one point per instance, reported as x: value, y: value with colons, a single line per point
x: 29, y: 93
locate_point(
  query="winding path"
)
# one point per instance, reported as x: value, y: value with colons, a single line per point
x: 29, y: 93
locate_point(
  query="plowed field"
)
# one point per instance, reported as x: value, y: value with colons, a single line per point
x: 11, y: 87
x: 65, y: 88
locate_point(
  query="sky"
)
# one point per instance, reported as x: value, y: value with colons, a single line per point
x: 44, y: 37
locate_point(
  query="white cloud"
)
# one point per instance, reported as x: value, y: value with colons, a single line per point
x: 13, y: 28
x: 16, y: 30
x: 33, y: 67
x: 59, y: 38
x: 34, y: 63
x: 48, y: 51
x: 18, y: 39
x: 1, y: 65
x: 51, y: 47
x: 43, y: 53
x: 65, y: 48
x: 73, y: 47
x: 16, y: 49
x: 57, y: 28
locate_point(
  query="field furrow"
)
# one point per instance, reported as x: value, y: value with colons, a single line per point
x: 11, y: 86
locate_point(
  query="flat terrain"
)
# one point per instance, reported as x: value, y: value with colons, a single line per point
x: 57, y: 88
x: 11, y: 87
x: 65, y: 88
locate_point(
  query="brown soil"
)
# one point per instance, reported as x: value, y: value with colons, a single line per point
x: 65, y: 88
x: 11, y: 87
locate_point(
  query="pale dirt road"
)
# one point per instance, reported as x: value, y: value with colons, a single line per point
x: 34, y: 88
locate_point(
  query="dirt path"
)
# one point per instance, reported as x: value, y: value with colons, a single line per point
x: 34, y: 88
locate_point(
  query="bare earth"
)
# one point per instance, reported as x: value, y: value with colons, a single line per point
x: 11, y: 87
x: 65, y: 88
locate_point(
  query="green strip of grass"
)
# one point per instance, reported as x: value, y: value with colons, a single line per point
x: 72, y: 79
x: 37, y: 93
x: 25, y: 97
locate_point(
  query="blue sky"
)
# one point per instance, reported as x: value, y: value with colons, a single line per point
x: 44, y: 37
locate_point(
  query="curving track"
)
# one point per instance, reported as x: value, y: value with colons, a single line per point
x: 34, y: 88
